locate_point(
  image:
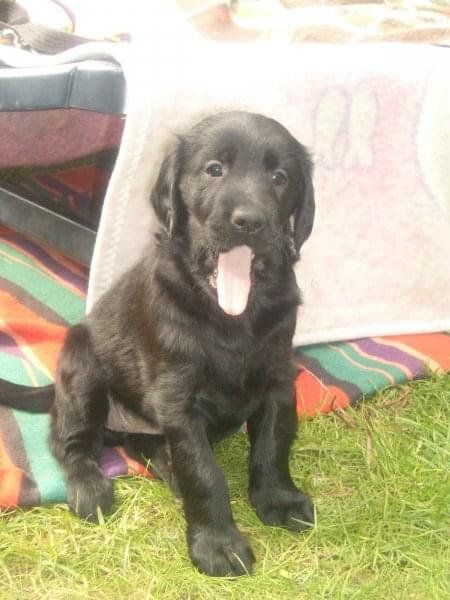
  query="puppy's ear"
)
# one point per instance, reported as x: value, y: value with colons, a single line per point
x: 304, y: 211
x: 165, y: 196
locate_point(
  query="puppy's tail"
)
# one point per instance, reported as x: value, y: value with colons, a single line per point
x: 40, y: 400
x: 30, y: 399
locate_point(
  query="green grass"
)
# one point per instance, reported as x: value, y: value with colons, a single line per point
x: 379, y: 478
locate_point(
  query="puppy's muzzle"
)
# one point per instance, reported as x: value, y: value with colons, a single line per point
x: 248, y: 220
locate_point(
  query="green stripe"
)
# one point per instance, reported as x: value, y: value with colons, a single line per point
x: 13, y: 369
x: 45, y: 470
x: 372, y: 362
x: 40, y: 378
x: 42, y: 287
x: 340, y: 367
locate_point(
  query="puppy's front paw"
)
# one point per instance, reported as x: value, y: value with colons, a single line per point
x: 283, y: 507
x: 220, y: 552
x: 87, y: 493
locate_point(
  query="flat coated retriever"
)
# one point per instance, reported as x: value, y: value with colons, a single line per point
x: 196, y: 339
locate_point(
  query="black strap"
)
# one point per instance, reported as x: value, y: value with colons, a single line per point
x: 15, y: 26
x: 46, y: 40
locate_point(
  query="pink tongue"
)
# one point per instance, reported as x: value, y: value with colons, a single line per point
x: 233, y: 279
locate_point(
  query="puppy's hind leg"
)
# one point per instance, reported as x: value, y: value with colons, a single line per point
x: 153, y: 450
x: 78, y: 417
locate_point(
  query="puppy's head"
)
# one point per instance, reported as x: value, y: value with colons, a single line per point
x: 237, y: 185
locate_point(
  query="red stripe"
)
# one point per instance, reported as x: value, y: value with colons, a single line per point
x: 135, y: 467
x: 313, y: 397
x: 10, y: 479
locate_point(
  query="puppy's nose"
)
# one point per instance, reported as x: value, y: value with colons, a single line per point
x: 246, y: 220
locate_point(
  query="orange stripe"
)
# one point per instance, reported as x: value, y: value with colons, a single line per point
x: 28, y: 351
x: 134, y: 467
x: 10, y: 479
x: 432, y: 348
x: 10, y: 484
x: 42, y: 340
x: 314, y: 397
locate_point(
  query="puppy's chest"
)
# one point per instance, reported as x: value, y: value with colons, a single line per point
x: 235, y: 361
x: 232, y: 385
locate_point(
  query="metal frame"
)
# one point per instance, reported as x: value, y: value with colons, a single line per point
x: 69, y: 237
x: 96, y: 85
x: 91, y: 85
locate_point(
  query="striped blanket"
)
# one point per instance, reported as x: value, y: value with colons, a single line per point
x: 42, y: 293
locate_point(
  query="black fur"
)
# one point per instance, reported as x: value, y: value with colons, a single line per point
x: 161, y: 346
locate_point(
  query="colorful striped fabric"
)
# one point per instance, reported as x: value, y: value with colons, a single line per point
x: 42, y: 293
x: 336, y: 375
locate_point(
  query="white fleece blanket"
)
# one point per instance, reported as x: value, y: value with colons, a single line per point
x: 376, y: 118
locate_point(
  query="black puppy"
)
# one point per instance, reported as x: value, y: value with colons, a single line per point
x: 196, y: 339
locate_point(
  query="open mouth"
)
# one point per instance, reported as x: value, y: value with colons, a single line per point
x: 232, y: 279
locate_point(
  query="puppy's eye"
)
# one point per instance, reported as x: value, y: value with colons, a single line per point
x: 214, y: 169
x: 279, y: 178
